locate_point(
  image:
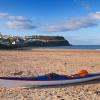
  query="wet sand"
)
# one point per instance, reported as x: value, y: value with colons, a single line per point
x: 42, y: 61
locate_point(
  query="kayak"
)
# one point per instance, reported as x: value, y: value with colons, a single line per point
x: 45, y: 80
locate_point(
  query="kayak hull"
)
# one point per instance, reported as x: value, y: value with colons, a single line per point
x: 23, y: 83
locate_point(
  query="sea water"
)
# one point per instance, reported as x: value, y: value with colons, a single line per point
x: 87, y: 47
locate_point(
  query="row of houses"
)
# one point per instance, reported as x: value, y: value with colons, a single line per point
x: 10, y: 40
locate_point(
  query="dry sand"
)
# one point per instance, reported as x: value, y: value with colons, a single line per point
x: 41, y: 61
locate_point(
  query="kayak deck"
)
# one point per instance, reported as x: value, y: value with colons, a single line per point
x: 46, y: 78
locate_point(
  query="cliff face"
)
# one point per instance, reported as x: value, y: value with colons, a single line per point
x: 46, y: 41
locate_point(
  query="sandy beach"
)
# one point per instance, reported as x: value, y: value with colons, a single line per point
x: 42, y: 61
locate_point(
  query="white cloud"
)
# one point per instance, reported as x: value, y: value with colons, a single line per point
x: 70, y: 25
x: 3, y: 15
x: 75, y: 23
x: 17, y: 22
x: 16, y: 18
x: 95, y: 16
x: 20, y: 24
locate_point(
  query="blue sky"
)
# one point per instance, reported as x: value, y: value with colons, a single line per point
x: 77, y: 20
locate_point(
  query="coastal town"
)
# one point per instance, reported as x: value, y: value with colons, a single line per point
x: 7, y: 41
